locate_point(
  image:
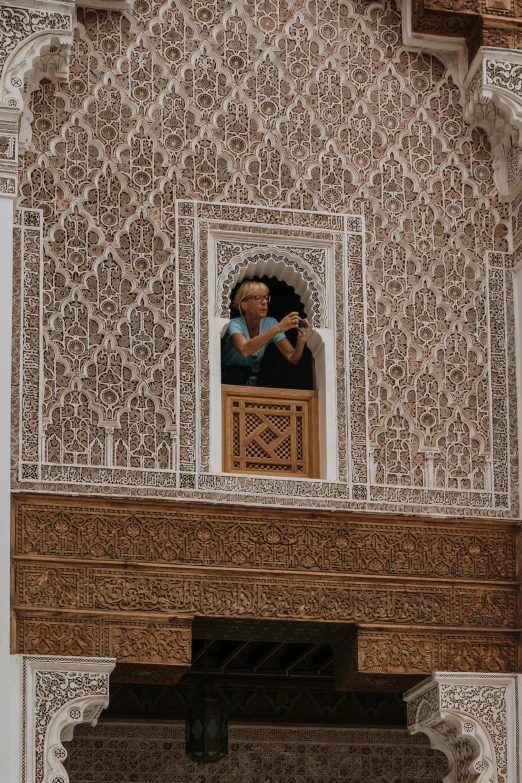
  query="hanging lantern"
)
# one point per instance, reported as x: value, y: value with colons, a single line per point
x: 206, y: 728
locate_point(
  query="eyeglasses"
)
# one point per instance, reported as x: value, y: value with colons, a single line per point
x: 265, y: 298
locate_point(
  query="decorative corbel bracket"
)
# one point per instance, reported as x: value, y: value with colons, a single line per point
x: 493, y: 101
x: 493, y: 79
x: 35, y: 43
x: 472, y: 718
x: 57, y: 695
x: 447, y: 43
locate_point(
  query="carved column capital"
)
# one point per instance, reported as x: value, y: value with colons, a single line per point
x: 57, y: 694
x: 472, y: 718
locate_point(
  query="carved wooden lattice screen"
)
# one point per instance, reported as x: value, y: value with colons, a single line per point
x: 270, y: 431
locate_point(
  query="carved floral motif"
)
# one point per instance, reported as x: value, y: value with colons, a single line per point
x: 404, y: 653
x: 397, y: 654
x: 506, y: 75
x: 42, y: 637
x: 152, y: 640
x: 152, y: 643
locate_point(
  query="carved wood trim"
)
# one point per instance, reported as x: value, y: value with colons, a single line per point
x: 402, y: 653
x: 202, y: 534
x: 225, y: 593
x: 270, y: 431
x: 152, y: 640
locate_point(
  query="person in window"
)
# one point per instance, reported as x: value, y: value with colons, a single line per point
x: 247, y: 337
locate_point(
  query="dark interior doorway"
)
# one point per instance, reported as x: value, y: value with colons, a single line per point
x: 276, y: 372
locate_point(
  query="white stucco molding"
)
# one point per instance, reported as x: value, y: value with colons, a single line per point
x: 35, y: 43
x: 473, y: 719
x: 9, y: 126
x: 57, y: 694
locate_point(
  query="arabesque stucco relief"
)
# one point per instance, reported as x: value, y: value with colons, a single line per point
x: 280, y: 106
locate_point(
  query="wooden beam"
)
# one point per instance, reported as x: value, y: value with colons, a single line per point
x: 275, y: 649
x: 233, y: 655
x: 300, y: 658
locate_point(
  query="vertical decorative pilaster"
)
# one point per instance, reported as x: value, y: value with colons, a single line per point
x: 9, y: 122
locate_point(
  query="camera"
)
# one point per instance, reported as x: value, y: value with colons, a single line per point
x: 301, y: 325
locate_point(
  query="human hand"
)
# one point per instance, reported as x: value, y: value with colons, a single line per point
x: 290, y: 321
x: 306, y: 333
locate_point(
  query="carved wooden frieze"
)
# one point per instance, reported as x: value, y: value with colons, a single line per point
x: 388, y: 652
x: 93, y: 578
x: 203, y: 535
x: 276, y: 754
x: 231, y: 595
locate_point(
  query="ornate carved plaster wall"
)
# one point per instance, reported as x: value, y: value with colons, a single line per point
x: 35, y: 44
x: 57, y: 695
x: 480, y: 43
x: 474, y: 719
x: 316, y: 107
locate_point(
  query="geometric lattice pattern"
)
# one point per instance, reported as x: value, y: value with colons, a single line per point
x: 270, y: 431
x: 296, y: 106
x: 155, y: 753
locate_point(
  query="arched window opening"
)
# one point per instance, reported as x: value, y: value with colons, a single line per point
x: 279, y: 419
x: 270, y: 406
x: 275, y: 371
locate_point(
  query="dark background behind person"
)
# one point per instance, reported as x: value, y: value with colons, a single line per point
x: 276, y: 372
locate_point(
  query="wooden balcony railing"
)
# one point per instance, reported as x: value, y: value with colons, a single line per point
x: 270, y: 431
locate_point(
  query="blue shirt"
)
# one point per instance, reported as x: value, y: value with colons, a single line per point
x: 229, y: 355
